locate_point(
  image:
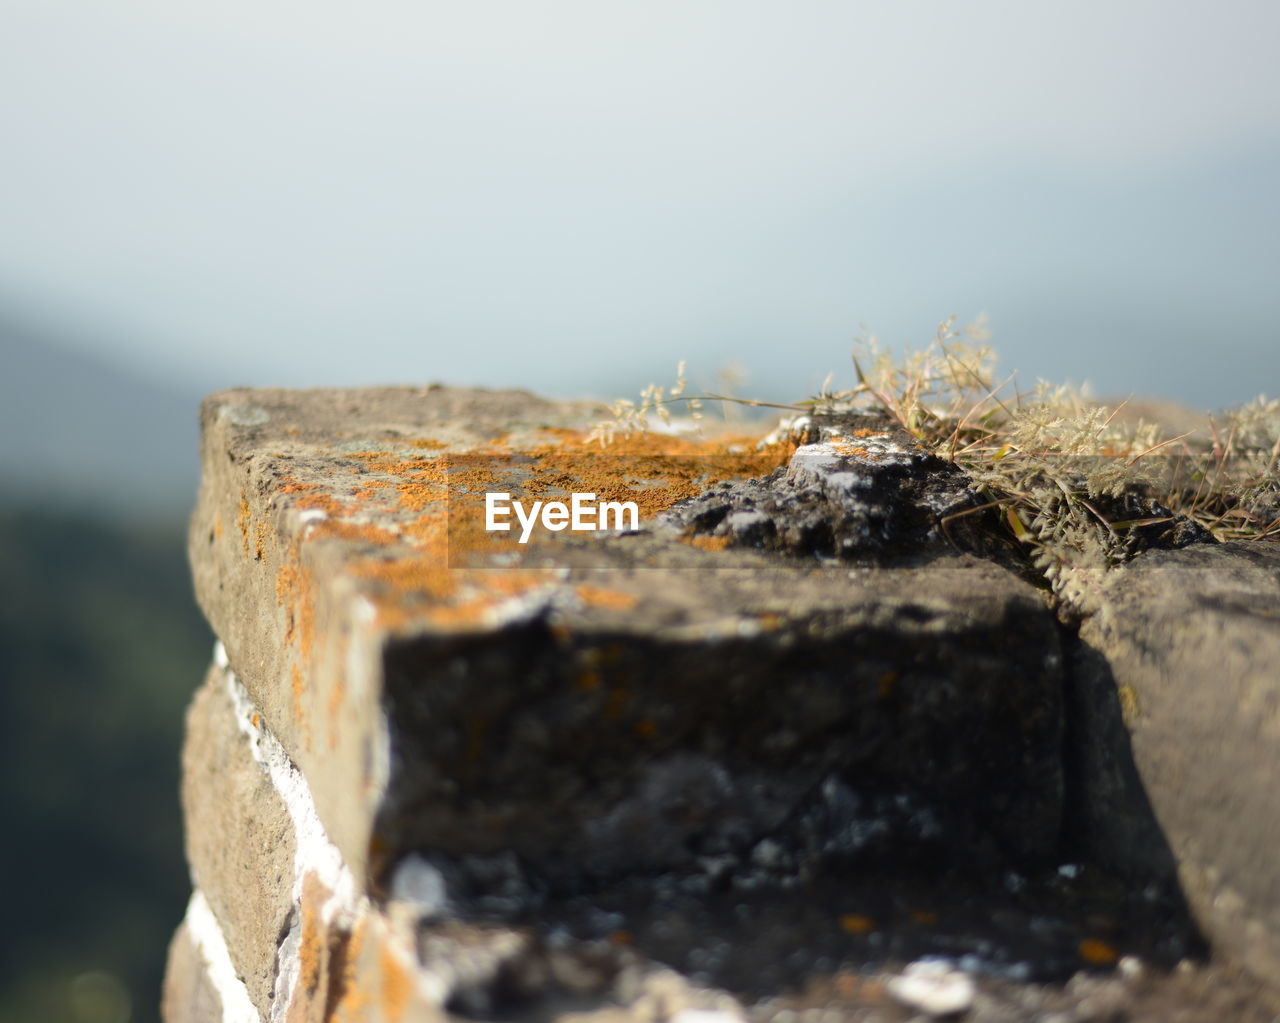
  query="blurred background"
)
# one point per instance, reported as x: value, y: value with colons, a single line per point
x: 568, y: 196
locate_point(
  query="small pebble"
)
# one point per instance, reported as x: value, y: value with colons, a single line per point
x: 705, y: 1016
x: 933, y: 987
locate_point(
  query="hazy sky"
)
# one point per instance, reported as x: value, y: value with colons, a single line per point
x: 571, y: 196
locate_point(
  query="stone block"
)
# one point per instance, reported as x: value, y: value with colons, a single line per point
x: 239, y: 836
x: 1190, y: 639
x: 644, y: 684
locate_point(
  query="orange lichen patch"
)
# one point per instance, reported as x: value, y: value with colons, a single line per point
x: 866, y: 989
x: 852, y: 450
x: 388, y: 461
x: 870, y: 433
x: 296, y: 688
x: 217, y: 527
x: 707, y: 543
x: 600, y: 596
x: 313, y: 944
x: 361, y: 531
x: 472, y: 610
x: 1097, y: 953
x: 326, y: 503
x: 855, y: 923
x: 262, y: 534
x: 427, y: 442
x: 348, y: 991
x: 243, y: 516
x: 923, y: 916
x: 296, y: 594
x: 420, y: 493
x: 886, y: 684
x: 397, y: 985
x: 419, y: 565
x: 770, y: 621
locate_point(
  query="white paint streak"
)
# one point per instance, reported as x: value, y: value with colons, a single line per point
x: 205, y: 933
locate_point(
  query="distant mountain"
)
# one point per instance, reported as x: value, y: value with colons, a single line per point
x: 76, y: 429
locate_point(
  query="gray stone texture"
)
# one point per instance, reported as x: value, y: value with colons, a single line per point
x: 1191, y: 641
x: 239, y: 838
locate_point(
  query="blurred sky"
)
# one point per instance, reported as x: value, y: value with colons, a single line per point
x: 571, y: 195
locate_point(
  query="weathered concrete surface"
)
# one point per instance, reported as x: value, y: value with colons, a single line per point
x: 702, y: 744
x: 239, y: 838
x: 705, y: 705
x: 1191, y: 638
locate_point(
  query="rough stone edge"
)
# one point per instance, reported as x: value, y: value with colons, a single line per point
x: 318, y: 863
x: 206, y: 935
x: 315, y: 853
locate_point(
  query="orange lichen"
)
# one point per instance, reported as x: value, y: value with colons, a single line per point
x: 295, y: 593
x: 326, y: 503
x: 1097, y: 953
x: 262, y: 534
x: 418, y: 569
x: 295, y: 686
x: 243, y: 516
x: 348, y: 995
x: 707, y: 543
x: 397, y: 985
x: 923, y: 916
x: 886, y: 684
x: 600, y: 596
x: 312, y: 946
x: 361, y: 531
x: 855, y: 923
